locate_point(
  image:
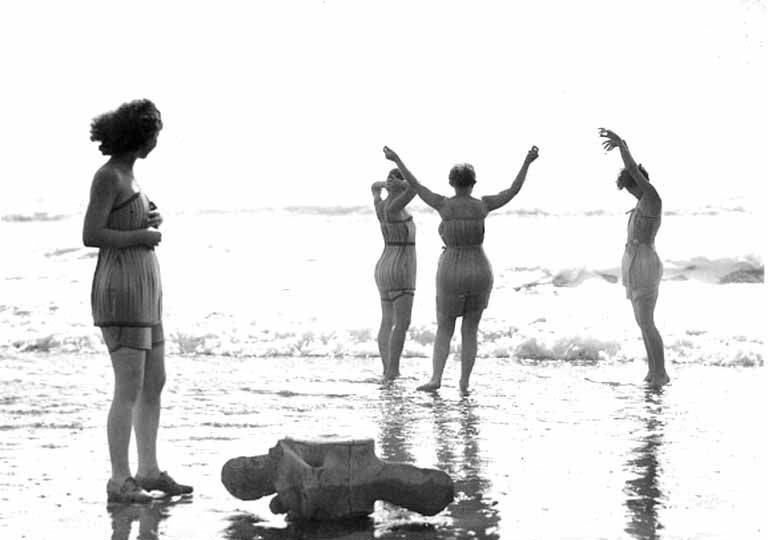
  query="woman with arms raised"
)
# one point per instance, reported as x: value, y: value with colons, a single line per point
x: 464, y: 275
x: 396, y: 269
x: 126, y: 297
x: 641, y: 268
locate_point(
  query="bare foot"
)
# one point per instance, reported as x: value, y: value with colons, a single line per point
x: 659, y: 379
x: 390, y: 376
x: 648, y: 377
x: 431, y: 386
x: 464, y: 387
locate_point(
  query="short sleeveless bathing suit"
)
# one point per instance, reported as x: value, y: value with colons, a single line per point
x: 395, y: 272
x: 641, y: 268
x: 464, y: 274
x: 126, y: 295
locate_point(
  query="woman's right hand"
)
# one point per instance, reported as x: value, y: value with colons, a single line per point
x: 533, y: 153
x: 150, y: 237
x: 390, y: 154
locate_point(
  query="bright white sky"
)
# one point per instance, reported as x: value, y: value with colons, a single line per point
x: 274, y: 103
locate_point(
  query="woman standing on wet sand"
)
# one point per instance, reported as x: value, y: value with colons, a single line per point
x: 126, y: 297
x: 641, y: 268
x: 396, y: 269
x: 464, y: 275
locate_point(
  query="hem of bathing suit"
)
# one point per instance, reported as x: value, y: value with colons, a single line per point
x: 142, y: 338
x: 128, y: 324
x: 399, y: 243
x: 391, y: 296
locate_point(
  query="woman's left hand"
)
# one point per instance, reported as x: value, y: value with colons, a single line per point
x: 612, y: 139
x: 154, y: 219
x: 533, y: 153
x: 390, y: 154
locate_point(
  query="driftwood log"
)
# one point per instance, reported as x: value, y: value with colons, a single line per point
x: 334, y: 479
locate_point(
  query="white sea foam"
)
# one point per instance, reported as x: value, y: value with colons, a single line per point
x: 296, y: 283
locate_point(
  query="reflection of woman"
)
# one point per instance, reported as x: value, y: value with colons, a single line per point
x: 641, y: 267
x: 464, y: 276
x: 396, y: 269
x: 149, y: 517
x: 644, y: 494
x: 126, y: 296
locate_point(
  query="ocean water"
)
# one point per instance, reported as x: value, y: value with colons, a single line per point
x: 271, y: 317
x: 299, y: 282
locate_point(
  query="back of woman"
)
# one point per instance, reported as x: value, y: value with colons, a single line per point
x: 464, y: 275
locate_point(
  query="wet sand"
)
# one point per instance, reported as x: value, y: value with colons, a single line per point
x: 537, y: 450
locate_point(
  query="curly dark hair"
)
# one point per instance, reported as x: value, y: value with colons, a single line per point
x: 625, y: 179
x: 127, y: 128
x: 462, y: 175
x: 396, y: 173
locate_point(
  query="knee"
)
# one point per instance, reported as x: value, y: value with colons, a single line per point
x: 402, y: 323
x: 152, y: 388
x: 129, y: 388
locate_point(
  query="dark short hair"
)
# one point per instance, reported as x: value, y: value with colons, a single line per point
x: 127, y: 128
x: 625, y: 179
x: 396, y: 173
x: 462, y: 175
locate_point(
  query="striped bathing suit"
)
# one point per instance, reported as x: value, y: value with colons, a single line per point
x: 641, y: 268
x: 126, y: 295
x: 395, y: 272
x: 464, y: 275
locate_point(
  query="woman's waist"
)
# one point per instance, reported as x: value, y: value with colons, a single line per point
x: 635, y: 243
x: 132, y: 256
x: 475, y: 246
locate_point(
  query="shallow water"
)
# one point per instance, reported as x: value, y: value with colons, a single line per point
x: 537, y: 450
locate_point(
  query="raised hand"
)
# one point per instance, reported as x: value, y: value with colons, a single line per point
x: 390, y: 154
x: 612, y: 139
x: 532, y: 155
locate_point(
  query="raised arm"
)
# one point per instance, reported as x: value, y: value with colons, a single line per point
x: 104, y: 193
x: 376, y: 188
x: 612, y: 140
x: 432, y: 199
x: 492, y: 202
x: 402, y: 200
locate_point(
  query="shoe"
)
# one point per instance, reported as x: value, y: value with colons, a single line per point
x: 128, y: 492
x: 163, y: 483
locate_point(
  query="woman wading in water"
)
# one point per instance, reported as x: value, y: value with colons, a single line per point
x: 396, y: 269
x: 464, y: 275
x: 641, y: 268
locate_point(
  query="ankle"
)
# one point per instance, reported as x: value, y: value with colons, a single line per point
x: 148, y: 472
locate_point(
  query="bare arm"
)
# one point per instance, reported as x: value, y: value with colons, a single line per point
x: 492, y: 202
x: 376, y: 188
x: 432, y: 199
x: 402, y: 200
x: 614, y: 141
x: 95, y: 232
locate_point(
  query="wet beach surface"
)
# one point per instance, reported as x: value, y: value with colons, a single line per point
x: 536, y: 450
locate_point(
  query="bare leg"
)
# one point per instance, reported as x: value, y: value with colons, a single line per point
x: 635, y: 308
x: 402, y: 320
x: 469, y: 325
x: 385, y: 330
x: 655, y: 346
x: 445, y: 326
x: 146, y: 412
x: 128, y: 366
